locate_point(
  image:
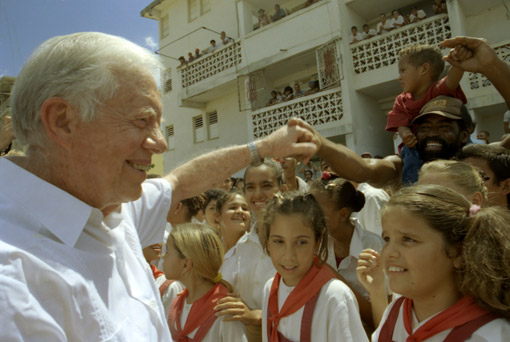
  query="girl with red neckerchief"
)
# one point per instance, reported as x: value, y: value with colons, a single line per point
x: 194, y: 256
x: 304, y: 301
x: 449, y: 261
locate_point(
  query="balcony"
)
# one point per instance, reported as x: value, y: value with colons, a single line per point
x: 323, y: 110
x: 382, y: 51
x: 479, y: 81
x: 211, y: 64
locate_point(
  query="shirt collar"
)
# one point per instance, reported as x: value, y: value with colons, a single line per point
x: 59, y: 212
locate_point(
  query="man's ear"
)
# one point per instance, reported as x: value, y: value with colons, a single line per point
x: 463, y: 137
x: 57, y: 117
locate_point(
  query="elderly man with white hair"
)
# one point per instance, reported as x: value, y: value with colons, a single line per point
x: 76, y: 209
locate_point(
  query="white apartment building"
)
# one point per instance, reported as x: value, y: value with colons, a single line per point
x: 221, y: 98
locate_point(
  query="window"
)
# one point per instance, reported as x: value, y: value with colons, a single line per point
x: 198, y: 129
x: 164, y: 27
x: 197, y: 8
x: 170, y: 138
x: 167, y: 80
x: 212, y: 126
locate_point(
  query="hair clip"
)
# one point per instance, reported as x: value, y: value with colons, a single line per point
x: 473, y: 209
x: 217, y: 278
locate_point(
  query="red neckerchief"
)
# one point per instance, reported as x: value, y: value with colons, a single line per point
x: 201, y: 310
x: 311, y: 283
x: 465, y: 310
x: 155, y: 272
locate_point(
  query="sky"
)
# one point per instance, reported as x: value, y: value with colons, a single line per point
x: 25, y: 24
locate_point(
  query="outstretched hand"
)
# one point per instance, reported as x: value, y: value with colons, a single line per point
x: 469, y: 54
x: 292, y: 140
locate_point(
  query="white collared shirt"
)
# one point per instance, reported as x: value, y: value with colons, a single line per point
x: 369, y: 216
x: 495, y: 330
x: 67, y: 273
x: 335, y: 318
x: 361, y: 239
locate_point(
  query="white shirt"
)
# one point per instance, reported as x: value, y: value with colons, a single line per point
x: 335, y: 318
x: 220, y: 331
x: 421, y: 15
x: 302, y: 185
x: 370, y: 216
x: 254, y: 269
x: 370, y: 32
x: 67, y: 273
x: 399, y: 21
x: 361, y: 239
x: 386, y: 28
x: 229, y: 267
x: 171, y: 292
x: 358, y: 37
x: 497, y: 330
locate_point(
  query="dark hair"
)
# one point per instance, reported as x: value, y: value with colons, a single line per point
x: 309, y: 210
x: 211, y: 195
x: 365, y: 25
x: 419, y: 54
x: 288, y: 88
x: 212, y: 41
x: 498, y: 159
x: 277, y: 168
x: 194, y: 204
x: 482, y: 239
x: 341, y: 192
x: 354, y: 27
x: 225, y: 197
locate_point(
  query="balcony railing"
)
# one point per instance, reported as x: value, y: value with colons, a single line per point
x: 478, y: 81
x: 211, y: 64
x: 318, y: 110
x: 382, y: 51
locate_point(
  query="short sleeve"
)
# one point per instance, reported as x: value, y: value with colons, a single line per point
x: 148, y: 213
x: 398, y: 117
x: 440, y: 88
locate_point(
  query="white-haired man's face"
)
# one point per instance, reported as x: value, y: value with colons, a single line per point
x: 110, y: 155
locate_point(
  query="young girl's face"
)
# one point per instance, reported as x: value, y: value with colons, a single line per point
x: 210, y: 213
x: 292, y: 247
x: 261, y: 186
x: 235, y: 216
x: 172, y: 262
x: 414, y: 256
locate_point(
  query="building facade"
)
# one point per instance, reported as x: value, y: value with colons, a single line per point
x: 222, y: 97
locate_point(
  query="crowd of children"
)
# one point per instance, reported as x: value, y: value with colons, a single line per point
x: 269, y: 264
x: 224, y: 39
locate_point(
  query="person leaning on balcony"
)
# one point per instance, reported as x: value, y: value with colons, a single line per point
x: 213, y: 46
x: 355, y: 36
x: 297, y: 90
x: 440, y: 6
x: 367, y: 32
x: 288, y: 93
x: 274, y: 99
x: 384, y: 25
x: 417, y: 15
x: 76, y: 209
x: 314, y: 87
x: 224, y: 38
x: 263, y: 18
x: 183, y: 62
x: 397, y: 20
x: 279, y: 13
x: 191, y: 58
x: 387, y: 172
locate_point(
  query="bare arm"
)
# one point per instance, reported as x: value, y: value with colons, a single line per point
x: 210, y: 169
x: 484, y: 60
x: 453, y: 78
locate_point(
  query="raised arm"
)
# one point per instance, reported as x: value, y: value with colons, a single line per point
x: 484, y: 60
x: 209, y: 170
x: 347, y: 164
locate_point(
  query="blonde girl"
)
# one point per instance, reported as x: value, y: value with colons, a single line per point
x: 304, y: 300
x: 194, y: 256
x: 449, y: 261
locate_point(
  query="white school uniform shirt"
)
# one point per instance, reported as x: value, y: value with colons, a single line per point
x: 336, y: 316
x: 220, y: 331
x: 171, y: 292
x: 358, y: 37
x: 69, y: 274
x: 254, y: 268
x: 399, y: 21
x: 386, y: 28
x: 370, y: 216
x: 361, y: 239
x: 421, y: 15
x: 497, y: 330
x: 230, y: 269
x: 370, y: 32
